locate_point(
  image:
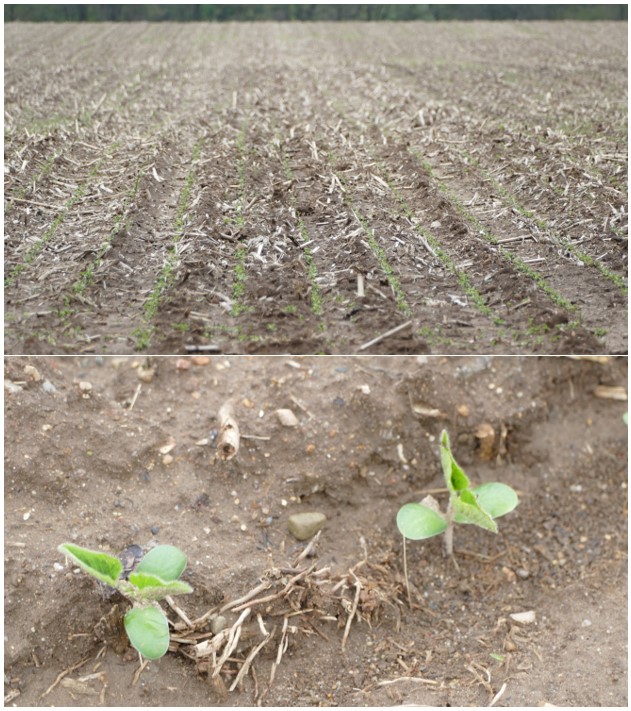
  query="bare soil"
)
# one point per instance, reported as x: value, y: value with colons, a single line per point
x: 83, y: 464
x: 306, y: 188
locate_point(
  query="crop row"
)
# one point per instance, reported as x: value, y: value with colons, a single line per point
x: 525, y: 265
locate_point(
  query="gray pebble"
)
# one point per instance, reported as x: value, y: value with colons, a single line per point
x: 49, y: 387
x: 217, y: 624
x: 12, y: 387
x: 304, y: 525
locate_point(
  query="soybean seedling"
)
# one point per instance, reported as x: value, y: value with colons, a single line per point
x: 479, y: 505
x: 153, y: 579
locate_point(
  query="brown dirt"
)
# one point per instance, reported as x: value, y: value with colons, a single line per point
x: 83, y: 465
x: 172, y: 186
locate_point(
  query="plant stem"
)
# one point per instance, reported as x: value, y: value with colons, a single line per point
x: 449, y: 540
x: 405, y: 572
x: 449, y: 533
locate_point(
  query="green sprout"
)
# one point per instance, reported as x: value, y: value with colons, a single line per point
x: 479, y: 505
x: 153, y: 579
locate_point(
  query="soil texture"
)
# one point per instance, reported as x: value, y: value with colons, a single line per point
x: 382, y: 188
x: 107, y: 452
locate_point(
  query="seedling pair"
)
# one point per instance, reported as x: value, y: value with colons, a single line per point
x: 479, y: 505
x: 153, y: 579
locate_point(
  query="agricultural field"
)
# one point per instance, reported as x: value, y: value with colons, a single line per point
x: 109, y: 452
x: 316, y: 188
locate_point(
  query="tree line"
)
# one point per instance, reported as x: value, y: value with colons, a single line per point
x: 307, y: 13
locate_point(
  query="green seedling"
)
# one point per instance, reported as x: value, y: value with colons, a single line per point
x: 479, y: 505
x: 153, y: 579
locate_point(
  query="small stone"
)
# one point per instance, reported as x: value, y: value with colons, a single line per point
x: 32, y: 373
x: 287, y: 418
x: 167, y: 459
x: 463, y: 411
x: 304, y: 525
x: 146, y: 374
x: 217, y: 624
x: 85, y: 386
x: 200, y: 360
x: 524, y: 618
x: 586, y: 623
x: 155, y: 530
x: 48, y: 387
x: 12, y: 387
x: 509, y: 645
x: 183, y: 364
x: 26, y: 516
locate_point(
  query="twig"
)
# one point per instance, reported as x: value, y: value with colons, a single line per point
x: 64, y: 673
x: 387, y: 334
x: 248, y: 661
x: 499, y: 695
x: 228, y: 441
x: 233, y: 640
x: 32, y: 202
x: 133, y: 400
x: 282, y: 593
x: 360, y: 285
x: 181, y: 614
x: 506, y: 240
x: 351, y: 614
x: 265, y: 585
x: 143, y: 664
x: 307, y: 551
x: 280, y: 651
x: 301, y: 406
x: 416, y: 679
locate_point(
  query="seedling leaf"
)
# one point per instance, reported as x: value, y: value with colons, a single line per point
x: 455, y: 477
x: 167, y: 562
x: 154, y: 588
x: 416, y: 521
x: 148, y: 631
x: 495, y: 498
x: 102, y: 566
x: 467, y: 510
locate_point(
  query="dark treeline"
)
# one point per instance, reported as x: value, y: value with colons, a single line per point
x: 225, y: 13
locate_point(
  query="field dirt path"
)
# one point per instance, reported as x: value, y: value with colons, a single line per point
x: 271, y: 188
